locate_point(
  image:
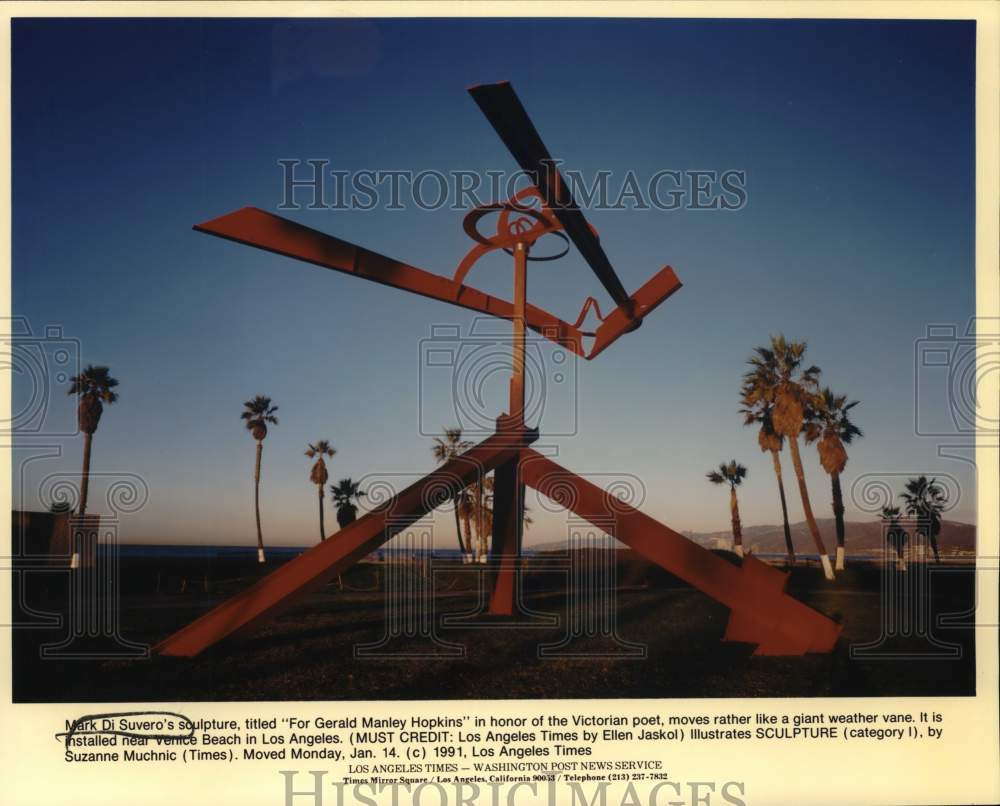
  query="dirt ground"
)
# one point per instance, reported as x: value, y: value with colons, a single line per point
x: 656, y: 638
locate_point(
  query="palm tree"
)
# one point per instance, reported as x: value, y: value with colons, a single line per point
x: 93, y: 388
x: 776, y: 379
x: 895, y: 535
x: 258, y: 413
x: 828, y: 424
x: 318, y: 474
x: 925, y: 501
x: 346, y: 493
x: 770, y: 441
x: 732, y: 474
x: 484, y: 515
x: 444, y: 450
x: 469, y: 512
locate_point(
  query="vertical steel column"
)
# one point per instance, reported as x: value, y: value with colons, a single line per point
x: 517, y: 351
x: 508, y: 491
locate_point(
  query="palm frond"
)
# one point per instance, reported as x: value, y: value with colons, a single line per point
x: 346, y: 491
x: 94, y: 381
x: 731, y: 472
x: 258, y: 412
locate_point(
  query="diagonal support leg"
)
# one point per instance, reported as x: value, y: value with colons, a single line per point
x: 312, y: 569
x: 761, y: 612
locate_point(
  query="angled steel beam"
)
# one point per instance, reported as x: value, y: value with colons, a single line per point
x: 508, y: 117
x: 314, y: 568
x: 761, y: 612
x: 255, y: 227
x: 263, y: 230
x: 644, y: 301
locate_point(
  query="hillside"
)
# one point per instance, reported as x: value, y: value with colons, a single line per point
x: 862, y: 537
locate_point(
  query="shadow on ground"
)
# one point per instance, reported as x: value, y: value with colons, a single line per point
x: 666, y: 642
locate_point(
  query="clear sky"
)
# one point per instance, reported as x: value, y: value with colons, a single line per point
x: 857, y: 143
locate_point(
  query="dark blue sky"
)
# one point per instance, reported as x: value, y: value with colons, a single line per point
x: 857, y: 143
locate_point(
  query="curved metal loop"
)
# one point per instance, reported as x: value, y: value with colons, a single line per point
x: 589, y: 303
x: 508, y: 231
x: 517, y: 222
x: 544, y: 258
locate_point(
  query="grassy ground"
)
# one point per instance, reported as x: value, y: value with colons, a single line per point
x: 309, y: 653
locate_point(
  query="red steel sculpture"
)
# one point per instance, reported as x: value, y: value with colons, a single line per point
x: 761, y: 612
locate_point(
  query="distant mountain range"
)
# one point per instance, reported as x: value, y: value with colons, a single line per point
x: 861, y: 537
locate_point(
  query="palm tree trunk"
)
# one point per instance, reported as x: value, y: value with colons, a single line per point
x: 256, y: 502
x: 793, y: 445
x: 84, y: 491
x: 838, y: 517
x: 458, y: 524
x: 480, y: 495
x: 932, y: 534
x: 467, y: 520
x: 484, y: 530
x: 734, y: 509
x: 322, y: 531
x: 85, y: 475
x: 789, y: 547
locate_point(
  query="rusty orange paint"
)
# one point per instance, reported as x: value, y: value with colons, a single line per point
x: 312, y: 569
x: 761, y: 612
x: 263, y: 230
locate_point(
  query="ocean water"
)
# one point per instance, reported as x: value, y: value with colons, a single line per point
x: 135, y: 550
